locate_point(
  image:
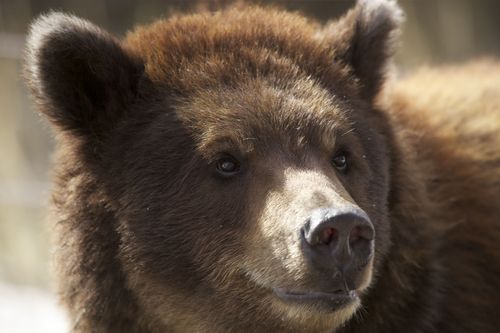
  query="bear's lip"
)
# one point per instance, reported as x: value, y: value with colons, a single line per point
x: 330, y: 301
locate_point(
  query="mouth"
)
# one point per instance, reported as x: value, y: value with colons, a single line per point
x: 327, y: 301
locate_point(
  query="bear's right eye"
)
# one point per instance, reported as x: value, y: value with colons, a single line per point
x: 228, y: 166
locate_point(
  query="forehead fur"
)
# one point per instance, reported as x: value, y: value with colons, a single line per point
x: 291, y: 115
x: 255, y: 73
x: 188, y: 53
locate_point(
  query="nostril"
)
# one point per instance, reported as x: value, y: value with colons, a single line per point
x: 355, y: 234
x: 327, y: 235
x: 360, y: 233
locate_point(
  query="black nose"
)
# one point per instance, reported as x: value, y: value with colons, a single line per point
x: 339, y: 239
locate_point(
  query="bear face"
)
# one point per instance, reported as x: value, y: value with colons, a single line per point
x: 246, y: 169
x: 245, y: 235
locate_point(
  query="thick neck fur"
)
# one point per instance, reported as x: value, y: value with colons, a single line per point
x: 90, y: 279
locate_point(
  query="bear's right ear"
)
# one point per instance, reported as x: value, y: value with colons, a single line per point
x: 81, y: 76
x: 364, y: 40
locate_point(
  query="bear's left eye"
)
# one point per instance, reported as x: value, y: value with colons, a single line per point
x: 340, y: 161
x: 228, y: 165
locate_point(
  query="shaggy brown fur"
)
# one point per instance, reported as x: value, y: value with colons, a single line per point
x: 152, y: 238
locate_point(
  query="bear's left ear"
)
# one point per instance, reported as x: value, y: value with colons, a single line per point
x: 364, y: 40
x: 81, y: 76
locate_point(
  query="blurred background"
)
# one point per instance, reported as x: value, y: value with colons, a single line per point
x: 436, y: 31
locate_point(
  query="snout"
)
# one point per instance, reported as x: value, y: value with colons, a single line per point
x: 338, y: 244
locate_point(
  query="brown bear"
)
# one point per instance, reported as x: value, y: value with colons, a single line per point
x: 250, y: 170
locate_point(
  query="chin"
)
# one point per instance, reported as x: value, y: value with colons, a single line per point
x: 320, y: 310
x: 317, y: 314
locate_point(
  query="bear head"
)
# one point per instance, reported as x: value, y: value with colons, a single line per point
x: 241, y: 157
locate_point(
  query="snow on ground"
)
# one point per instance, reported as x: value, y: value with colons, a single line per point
x: 27, y: 310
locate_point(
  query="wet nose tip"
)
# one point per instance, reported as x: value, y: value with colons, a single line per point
x: 338, y: 241
x: 338, y: 238
x: 329, y: 226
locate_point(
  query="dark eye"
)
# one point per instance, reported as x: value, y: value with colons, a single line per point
x: 340, y: 161
x: 228, y: 166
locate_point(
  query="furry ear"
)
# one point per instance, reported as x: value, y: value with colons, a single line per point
x: 364, y: 40
x: 80, y: 75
